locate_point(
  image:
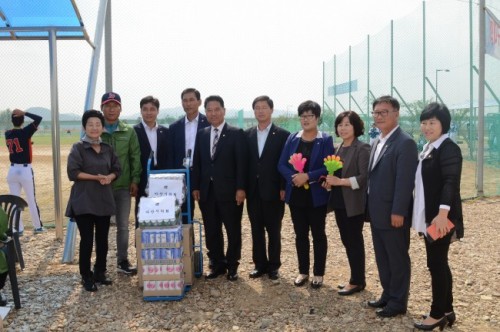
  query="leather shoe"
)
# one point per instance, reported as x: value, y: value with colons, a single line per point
x: 356, y: 289
x: 274, y: 275
x: 300, y: 280
x: 214, y: 273
x: 101, y: 278
x: 451, y: 317
x: 232, y: 275
x: 388, y: 312
x: 256, y: 273
x: 377, y: 303
x: 317, y: 282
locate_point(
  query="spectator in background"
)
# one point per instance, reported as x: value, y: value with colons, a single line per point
x: 266, y: 189
x: 126, y: 145
x: 93, y: 166
x: 437, y: 200
x: 308, y: 206
x: 21, y: 176
x: 153, y: 143
x: 348, y: 196
x: 182, y: 135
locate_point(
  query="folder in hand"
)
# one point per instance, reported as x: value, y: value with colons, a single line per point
x: 432, y: 232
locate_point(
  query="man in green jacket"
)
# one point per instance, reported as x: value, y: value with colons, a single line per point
x: 124, y: 140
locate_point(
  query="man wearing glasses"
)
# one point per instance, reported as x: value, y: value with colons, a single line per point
x: 124, y: 140
x: 393, y: 162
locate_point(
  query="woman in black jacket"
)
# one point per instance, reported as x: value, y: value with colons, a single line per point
x: 437, y: 200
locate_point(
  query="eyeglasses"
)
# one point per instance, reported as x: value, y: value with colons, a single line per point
x: 382, y: 114
x: 307, y: 116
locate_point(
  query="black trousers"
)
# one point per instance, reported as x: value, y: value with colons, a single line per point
x: 394, y: 266
x: 266, y: 216
x: 441, y: 279
x: 305, y: 219
x: 86, y: 224
x: 351, y: 235
x: 216, y: 213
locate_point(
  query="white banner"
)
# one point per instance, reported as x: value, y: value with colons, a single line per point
x: 492, y: 30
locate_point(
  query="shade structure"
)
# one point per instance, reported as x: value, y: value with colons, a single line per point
x: 32, y: 20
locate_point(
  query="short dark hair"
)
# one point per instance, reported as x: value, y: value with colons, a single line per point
x: 386, y: 99
x: 354, y: 120
x: 191, y: 90
x: 17, y: 121
x: 438, y: 111
x: 214, y: 98
x: 92, y: 114
x: 268, y: 100
x: 309, y: 105
x: 150, y: 99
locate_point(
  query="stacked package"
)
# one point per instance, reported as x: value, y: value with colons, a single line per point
x: 159, y: 238
x: 161, y: 263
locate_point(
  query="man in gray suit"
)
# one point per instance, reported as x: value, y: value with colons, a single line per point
x: 393, y: 162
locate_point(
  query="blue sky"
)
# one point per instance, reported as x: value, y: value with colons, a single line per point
x: 237, y: 49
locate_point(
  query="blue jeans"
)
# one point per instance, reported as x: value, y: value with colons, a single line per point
x: 123, y: 203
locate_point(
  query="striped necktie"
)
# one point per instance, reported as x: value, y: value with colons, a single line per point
x: 216, y: 139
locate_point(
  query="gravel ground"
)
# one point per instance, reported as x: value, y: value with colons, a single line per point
x: 53, y: 299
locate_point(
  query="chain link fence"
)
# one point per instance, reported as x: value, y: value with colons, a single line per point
x: 429, y: 55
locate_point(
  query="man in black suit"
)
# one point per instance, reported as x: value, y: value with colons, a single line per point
x: 182, y: 135
x: 219, y: 175
x: 393, y: 162
x: 153, y: 139
x: 266, y: 189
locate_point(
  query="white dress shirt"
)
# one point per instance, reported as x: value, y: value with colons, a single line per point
x: 262, y: 137
x: 190, y: 130
x: 212, y: 134
x: 151, y: 133
x: 418, y: 220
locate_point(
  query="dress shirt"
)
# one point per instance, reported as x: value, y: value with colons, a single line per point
x: 212, y: 134
x: 381, y: 143
x: 418, y: 220
x: 152, y: 138
x: 262, y: 137
x: 190, y: 130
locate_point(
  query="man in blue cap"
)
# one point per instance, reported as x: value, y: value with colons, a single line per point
x: 124, y: 140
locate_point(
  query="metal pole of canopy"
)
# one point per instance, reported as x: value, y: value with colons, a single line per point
x: 56, y: 144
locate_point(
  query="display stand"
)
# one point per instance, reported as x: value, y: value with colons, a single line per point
x: 168, y: 255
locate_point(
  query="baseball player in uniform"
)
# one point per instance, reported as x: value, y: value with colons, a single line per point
x: 20, y: 176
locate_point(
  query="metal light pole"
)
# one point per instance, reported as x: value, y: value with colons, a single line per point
x: 437, y: 71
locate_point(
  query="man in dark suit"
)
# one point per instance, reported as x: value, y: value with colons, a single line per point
x: 182, y: 135
x: 393, y: 162
x: 219, y: 175
x: 153, y: 139
x: 266, y: 189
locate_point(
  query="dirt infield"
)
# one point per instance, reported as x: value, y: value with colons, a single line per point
x: 53, y: 299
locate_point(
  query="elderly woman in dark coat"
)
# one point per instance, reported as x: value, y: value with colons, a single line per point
x: 92, y: 165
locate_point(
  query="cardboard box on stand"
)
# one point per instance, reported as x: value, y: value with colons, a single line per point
x: 188, y: 257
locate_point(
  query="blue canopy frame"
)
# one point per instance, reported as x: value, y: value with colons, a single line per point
x: 53, y: 20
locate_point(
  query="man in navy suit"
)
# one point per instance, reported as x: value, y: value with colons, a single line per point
x: 182, y: 135
x: 393, y: 162
x: 266, y: 189
x: 153, y: 139
x: 219, y: 176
